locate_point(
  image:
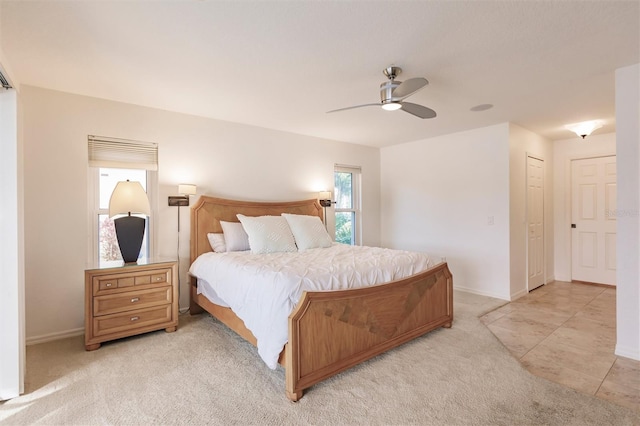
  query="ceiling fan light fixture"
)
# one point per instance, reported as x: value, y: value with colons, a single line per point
x: 391, y: 106
x: 584, y: 128
x: 393, y: 94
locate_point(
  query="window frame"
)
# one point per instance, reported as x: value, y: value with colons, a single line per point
x: 356, y: 200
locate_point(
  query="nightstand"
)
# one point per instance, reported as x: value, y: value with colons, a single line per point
x: 126, y: 299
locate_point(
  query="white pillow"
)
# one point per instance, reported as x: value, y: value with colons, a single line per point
x: 308, y: 231
x: 268, y: 234
x: 217, y: 242
x: 235, y: 236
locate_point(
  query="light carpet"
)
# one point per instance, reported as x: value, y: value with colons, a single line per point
x: 205, y: 374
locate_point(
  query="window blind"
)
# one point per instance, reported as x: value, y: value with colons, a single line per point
x: 122, y: 153
x: 347, y: 169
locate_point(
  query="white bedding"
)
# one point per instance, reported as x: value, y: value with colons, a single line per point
x: 263, y: 289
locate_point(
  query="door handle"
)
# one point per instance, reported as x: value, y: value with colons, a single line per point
x: 573, y: 225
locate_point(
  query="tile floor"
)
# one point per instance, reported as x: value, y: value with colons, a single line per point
x: 566, y: 333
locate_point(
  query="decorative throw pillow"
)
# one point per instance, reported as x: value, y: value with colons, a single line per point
x: 235, y: 236
x: 217, y: 242
x: 308, y: 231
x: 268, y: 234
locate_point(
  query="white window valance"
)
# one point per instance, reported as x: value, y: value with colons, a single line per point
x: 343, y: 168
x: 122, y: 153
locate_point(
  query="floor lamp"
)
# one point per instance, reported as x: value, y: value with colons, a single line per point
x: 185, y: 190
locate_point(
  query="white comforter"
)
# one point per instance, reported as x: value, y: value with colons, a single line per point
x: 263, y: 289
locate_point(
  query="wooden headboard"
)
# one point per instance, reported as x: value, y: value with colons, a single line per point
x: 207, y: 213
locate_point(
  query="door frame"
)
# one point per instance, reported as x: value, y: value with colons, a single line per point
x: 12, y: 307
x: 526, y: 219
x: 568, y: 210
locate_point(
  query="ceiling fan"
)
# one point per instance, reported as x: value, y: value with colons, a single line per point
x: 393, y: 93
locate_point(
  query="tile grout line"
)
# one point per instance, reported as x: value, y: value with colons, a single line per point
x: 605, y: 376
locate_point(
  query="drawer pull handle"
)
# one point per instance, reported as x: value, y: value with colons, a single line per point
x: 109, y: 284
x: 135, y: 299
x: 135, y: 318
x: 158, y: 278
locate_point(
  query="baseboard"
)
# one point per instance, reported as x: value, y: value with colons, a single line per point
x: 633, y: 353
x: 519, y: 294
x: 550, y: 279
x: 54, y: 336
x: 481, y: 293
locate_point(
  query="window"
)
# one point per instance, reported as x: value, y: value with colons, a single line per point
x: 347, y: 198
x: 112, y: 161
x: 108, y: 249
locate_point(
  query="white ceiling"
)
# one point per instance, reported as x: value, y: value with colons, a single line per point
x: 282, y: 65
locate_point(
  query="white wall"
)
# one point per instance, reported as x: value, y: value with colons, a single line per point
x: 523, y: 142
x: 564, y: 151
x: 223, y: 159
x: 437, y: 195
x: 628, y: 219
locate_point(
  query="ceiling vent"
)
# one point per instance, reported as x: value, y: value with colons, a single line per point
x: 4, y: 81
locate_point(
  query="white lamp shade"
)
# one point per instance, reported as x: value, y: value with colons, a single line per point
x: 129, y: 197
x: 585, y: 128
x: 325, y: 195
x: 186, y: 189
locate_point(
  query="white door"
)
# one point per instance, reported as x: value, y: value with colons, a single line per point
x: 535, y: 223
x: 593, y: 220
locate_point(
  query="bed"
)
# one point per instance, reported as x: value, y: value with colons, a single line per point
x: 328, y: 331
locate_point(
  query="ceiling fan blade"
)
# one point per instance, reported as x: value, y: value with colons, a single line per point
x: 418, y: 110
x: 408, y: 88
x: 352, y: 107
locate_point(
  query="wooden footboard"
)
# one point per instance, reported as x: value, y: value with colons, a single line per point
x: 332, y: 331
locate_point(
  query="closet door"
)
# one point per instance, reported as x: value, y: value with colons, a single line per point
x: 535, y: 223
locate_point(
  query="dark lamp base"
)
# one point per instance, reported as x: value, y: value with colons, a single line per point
x: 130, y: 232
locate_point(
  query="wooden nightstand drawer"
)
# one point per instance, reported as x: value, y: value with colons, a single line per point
x: 114, y: 282
x: 111, y: 283
x: 129, y: 299
x: 119, y: 302
x: 129, y: 321
x: 153, y: 278
x: 125, y: 282
x: 107, y: 284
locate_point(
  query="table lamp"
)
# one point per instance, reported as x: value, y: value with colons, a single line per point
x: 127, y: 198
